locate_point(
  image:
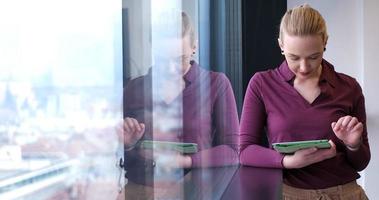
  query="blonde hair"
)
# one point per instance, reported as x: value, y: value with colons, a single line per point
x: 188, y: 28
x: 303, y: 21
x: 167, y: 24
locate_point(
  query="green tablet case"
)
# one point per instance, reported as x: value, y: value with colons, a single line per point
x: 291, y: 147
x: 181, y: 147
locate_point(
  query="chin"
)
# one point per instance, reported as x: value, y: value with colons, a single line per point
x: 302, y: 76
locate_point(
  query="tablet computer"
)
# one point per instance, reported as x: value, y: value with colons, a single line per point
x: 181, y: 147
x: 291, y: 147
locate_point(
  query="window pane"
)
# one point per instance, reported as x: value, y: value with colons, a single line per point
x: 183, y: 121
x: 60, y: 97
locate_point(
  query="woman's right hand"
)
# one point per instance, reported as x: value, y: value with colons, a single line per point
x: 130, y: 131
x: 305, y: 157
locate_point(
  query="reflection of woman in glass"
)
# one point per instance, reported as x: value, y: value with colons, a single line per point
x: 201, y: 111
x: 305, y: 99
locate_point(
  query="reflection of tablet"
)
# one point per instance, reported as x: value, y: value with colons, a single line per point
x: 290, y: 147
x: 165, y: 145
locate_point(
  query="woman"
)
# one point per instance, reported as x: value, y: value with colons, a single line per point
x: 305, y: 99
x: 197, y: 105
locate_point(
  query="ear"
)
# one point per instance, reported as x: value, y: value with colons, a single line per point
x: 280, y: 44
x: 326, y: 41
x: 194, y: 47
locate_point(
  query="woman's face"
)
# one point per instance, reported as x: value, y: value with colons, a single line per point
x: 303, y: 54
x: 175, y: 55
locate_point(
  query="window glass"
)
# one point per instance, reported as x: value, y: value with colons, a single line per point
x: 76, y: 74
x: 183, y: 115
x: 60, y: 96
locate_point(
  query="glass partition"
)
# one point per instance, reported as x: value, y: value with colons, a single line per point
x: 108, y: 99
x: 181, y: 116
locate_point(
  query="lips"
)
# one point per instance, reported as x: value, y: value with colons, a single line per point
x: 304, y: 73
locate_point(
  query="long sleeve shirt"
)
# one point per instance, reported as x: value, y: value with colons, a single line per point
x: 207, y: 116
x: 273, y: 104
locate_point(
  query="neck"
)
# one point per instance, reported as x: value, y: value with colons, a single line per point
x: 186, y: 69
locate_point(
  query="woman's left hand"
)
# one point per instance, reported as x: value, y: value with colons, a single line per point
x: 349, y: 130
x: 172, y: 160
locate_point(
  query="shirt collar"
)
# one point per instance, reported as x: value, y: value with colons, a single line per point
x: 191, y: 75
x: 285, y: 71
x: 327, y: 73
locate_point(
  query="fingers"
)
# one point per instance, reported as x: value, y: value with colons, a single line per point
x: 131, y: 131
x: 301, y: 158
x: 341, y: 123
x: 352, y: 123
x: 131, y: 125
x: 332, y: 144
x: 127, y: 125
x: 168, y: 161
x: 306, y: 151
x: 345, y: 123
x: 142, y: 129
x: 305, y: 157
x: 332, y: 151
x: 348, y: 129
x: 323, y: 154
x: 358, y: 127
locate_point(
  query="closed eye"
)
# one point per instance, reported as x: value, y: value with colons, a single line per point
x: 313, y: 57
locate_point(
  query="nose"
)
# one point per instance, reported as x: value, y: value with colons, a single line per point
x: 304, y: 65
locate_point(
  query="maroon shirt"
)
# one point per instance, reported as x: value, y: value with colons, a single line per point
x: 208, y: 117
x: 271, y: 102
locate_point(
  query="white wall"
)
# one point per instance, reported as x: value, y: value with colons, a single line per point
x: 371, y: 83
x: 352, y: 47
x: 344, y: 22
